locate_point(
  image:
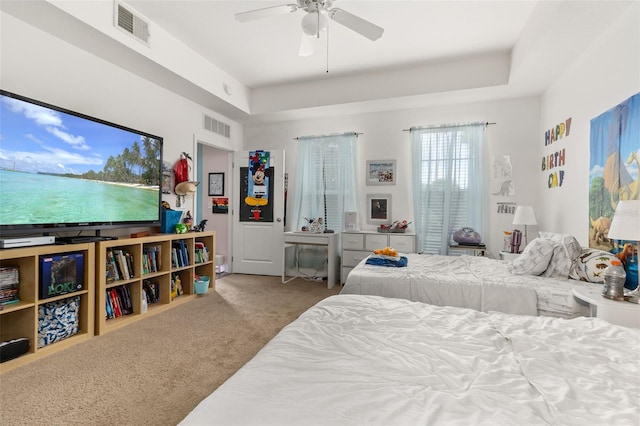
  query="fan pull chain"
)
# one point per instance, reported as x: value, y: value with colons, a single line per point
x: 328, y: 49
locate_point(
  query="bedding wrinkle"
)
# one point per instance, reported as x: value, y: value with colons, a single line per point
x: 467, y: 281
x: 569, y: 365
x: 368, y: 360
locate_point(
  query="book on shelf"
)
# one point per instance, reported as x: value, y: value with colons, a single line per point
x: 113, y: 271
x: 201, y: 252
x: 151, y: 290
x: 180, y: 254
x: 109, y: 307
x: 9, y: 285
x: 152, y: 258
x: 119, y: 265
x: 114, y: 303
x: 128, y: 257
x: 118, y: 302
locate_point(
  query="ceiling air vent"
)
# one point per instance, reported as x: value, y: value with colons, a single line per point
x: 132, y: 24
x: 215, y: 126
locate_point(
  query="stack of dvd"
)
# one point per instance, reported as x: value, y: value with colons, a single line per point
x: 9, y: 285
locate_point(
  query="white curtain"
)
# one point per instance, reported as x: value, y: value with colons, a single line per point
x: 325, y: 180
x: 448, y: 183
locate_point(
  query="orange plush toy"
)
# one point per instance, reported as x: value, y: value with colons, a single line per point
x: 628, y: 250
x: 387, y: 251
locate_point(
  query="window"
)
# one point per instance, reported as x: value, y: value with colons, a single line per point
x: 325, y: 180
x: 447, y: 183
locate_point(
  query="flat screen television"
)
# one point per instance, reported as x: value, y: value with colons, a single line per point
x: 65, y: 171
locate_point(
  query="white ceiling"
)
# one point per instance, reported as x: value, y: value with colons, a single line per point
x: 265, y: 52
x: 431, y: 53
x: 404, y: 68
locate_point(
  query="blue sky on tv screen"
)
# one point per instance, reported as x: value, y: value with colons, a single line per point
x: 38, y: 139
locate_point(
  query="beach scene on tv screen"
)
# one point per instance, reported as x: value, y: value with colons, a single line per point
x: 58, y: 168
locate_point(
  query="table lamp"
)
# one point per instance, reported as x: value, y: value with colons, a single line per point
x: 626, y: 226
x: 524, y: 216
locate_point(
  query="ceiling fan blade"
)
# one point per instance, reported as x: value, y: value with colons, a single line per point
x: 266, y: 12
x: 307, y: 45
x: 357, y: 24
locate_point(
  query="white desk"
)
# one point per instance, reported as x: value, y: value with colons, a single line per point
x: 309, y: 238
x: 613, y: 311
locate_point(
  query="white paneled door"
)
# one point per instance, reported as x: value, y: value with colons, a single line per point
x: 258, y: 227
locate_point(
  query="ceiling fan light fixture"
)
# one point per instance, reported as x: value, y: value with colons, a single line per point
x: 314, y: 22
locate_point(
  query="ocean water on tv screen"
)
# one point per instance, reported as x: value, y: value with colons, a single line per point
x: 31, y: 198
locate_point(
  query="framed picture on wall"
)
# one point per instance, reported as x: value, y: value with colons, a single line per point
x: 379, y: 208
x: 220, y: 205
x: 381, y: 172
x: 216, y: 183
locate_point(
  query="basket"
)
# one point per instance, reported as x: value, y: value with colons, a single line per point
x: 170, y: 218
x: 201, y: 285
x: 391, y: 230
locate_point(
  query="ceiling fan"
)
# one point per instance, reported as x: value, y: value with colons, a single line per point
x: 318, y: 13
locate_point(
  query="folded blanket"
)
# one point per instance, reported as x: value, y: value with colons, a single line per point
x: 382, y: 260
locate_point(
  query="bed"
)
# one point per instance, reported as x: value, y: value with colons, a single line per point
x: 371, y: 360
x: 538, y: 282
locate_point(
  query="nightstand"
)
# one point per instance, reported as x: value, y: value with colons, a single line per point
x: 477, y: 249
x: 507, y: 255
x: 613, y: 311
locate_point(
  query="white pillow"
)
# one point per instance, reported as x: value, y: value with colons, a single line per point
x: 564, y: 254
x: 590, y: 265
x: 534, y: 260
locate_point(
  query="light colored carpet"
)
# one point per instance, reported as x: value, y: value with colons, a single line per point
x: 154, y: 371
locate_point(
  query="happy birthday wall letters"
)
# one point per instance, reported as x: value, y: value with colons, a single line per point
x: 555, y: 159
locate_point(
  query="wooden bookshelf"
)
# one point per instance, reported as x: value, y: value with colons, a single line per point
x: 20, y: 319
x: 136, y: 250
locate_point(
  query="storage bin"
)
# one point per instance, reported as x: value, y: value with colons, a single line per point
x: 169, y: 220
x: 58, y: 320
x: 201, y: 285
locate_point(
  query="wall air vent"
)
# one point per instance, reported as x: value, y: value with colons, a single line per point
x: 215, y: 126
x: 131, y: 23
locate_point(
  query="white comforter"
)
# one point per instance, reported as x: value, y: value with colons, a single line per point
x: 368, y: 360
x: 474, y: 282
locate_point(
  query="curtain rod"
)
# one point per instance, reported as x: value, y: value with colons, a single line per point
x: 326, y: 136
x: 437, y: 126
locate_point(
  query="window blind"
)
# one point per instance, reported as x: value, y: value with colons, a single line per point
x: 447, y: 184
x: 325, y: 180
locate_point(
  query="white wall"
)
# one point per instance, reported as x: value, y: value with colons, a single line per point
x: 216, y: 160
x: 383, y: 138
x: 607, y: 73
x: 604, y: 75
x: 40, y: 66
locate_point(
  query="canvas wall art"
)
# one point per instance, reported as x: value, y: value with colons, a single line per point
x: 613, y: 168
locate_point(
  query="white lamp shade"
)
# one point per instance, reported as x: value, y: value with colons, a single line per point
x: 524, y: 216
x: 626, y: 221
x: 313, y: 22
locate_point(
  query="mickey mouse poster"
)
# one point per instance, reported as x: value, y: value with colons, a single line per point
x: 256, y: 188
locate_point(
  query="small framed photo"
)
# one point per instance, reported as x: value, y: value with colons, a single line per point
x: 216, y: 183
x: 381, y: 172
x: 378, y: 208
x: 220, y: 205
